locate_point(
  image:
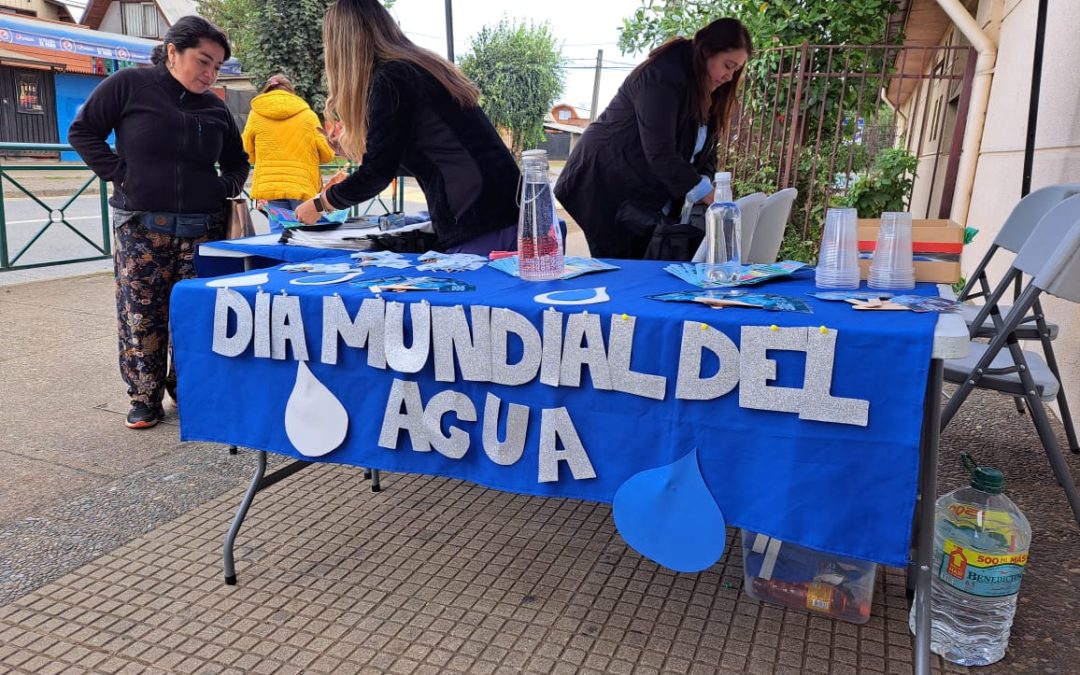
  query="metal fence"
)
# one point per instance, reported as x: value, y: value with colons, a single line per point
x: 38, y: 229
x: 816, y: 117
x: 45, y: 220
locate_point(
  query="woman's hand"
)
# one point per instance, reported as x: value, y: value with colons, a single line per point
x: 708, y: 198
x: 306, y: 213
x: 335, y: 179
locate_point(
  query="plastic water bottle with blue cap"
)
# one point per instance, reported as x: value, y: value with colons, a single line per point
x: 981, y: 544
x: 723, y: 226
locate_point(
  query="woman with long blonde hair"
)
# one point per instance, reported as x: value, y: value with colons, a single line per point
x: 401, y: 107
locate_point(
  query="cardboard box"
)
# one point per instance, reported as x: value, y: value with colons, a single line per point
x: 936, y: 244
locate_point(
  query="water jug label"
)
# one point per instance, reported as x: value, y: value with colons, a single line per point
x: 983, y: 574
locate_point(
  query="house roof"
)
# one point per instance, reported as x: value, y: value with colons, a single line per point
x: 568, y: 128
x: 170, y: 9
x: 63, y: 11
x: 924, y: 24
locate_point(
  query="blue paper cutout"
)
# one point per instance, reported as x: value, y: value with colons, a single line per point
x: 669, y: 515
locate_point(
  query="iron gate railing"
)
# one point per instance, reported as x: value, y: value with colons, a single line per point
x: 19, y: 236
x: 55, y: 217
x: 815, y: 117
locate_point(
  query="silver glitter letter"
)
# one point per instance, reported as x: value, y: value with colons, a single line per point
x: 399, y: 357
x: 235, y: 345
x: 620, y: 349
x: 262, y: 325
x: 818, y: 404
x: 503, y: 323
x: 517, y: 424
x: 585, y: 326
x: 366, y: 329
x: 758, y: 370
x: 287, y: 325
x: 450, y: 333
x: 556, y: 426
x: 553, y: 338
x: 456, y: 444
x: 412, y: 420
x: 690, y: 386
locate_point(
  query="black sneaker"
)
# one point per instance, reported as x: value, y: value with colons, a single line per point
x: 170, y: 387
x: 142, y: 415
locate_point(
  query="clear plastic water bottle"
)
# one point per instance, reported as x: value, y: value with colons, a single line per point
x: 540, y: 244
x: 723, y: 229
x: 981, y: 544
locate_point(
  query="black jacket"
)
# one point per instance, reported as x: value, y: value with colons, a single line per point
x: 167, y: 143
x: 635, y: 157
x: 468, y: 176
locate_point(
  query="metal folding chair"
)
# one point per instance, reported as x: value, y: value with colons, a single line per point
x: 769, y: 232
x: 1051, y: 256
x: 1014, y: 232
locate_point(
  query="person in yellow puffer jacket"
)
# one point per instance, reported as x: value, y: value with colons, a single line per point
x: 285, y: 141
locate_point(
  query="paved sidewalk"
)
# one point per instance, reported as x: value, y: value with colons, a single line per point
x: 110, y: 552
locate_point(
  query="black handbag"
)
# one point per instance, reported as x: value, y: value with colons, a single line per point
x: 677, y: 241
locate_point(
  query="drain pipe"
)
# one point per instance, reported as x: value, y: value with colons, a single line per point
x: 980, y: 100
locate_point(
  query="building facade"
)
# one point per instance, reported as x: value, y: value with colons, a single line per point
x: 984, y: 201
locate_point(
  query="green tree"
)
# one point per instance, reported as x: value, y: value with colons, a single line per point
x: 783, y: 23
x: 771, y: 23
x: 235, y: 17
x: 277, y: 36
x: 288, y: 39
x: 518, y: 68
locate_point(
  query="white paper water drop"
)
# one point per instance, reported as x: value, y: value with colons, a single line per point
x: 325, y: 279
x: 235, y: 282
x: 315, y: 420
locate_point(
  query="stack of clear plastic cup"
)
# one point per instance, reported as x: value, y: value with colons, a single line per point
x: 893, y: 267
x: 838, y: 258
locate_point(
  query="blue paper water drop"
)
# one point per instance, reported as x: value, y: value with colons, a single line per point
x: 669, y: 515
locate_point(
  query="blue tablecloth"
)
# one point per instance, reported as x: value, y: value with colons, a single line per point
x: 265, y: 255
x: 835, y: 487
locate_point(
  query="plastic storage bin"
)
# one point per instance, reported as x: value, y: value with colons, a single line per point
x: 800, y: 578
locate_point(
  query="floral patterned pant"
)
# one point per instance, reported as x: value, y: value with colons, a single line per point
x: 147, y: 265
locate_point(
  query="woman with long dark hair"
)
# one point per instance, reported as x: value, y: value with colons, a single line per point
x: 400, y: 106
x: 655, y: 144
x: 168, y: 196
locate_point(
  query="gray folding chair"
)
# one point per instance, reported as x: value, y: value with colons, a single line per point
x: 1051, y: 257
x: 1014, y: 232
x: 750, y: 206
x: 769, y: 233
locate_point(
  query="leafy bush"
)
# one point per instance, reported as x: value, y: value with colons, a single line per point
x: 886, y: 187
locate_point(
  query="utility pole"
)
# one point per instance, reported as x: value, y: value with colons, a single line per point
x: 449, y: 31
x: 596, y: 83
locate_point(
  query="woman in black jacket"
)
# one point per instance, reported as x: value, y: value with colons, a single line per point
x: 168, y: 196
x: 403, y: 106
x: 655, y: 144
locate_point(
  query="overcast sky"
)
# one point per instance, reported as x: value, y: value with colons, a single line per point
x: 581, y: 26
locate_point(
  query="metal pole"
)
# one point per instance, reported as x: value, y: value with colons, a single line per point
x: 1033, y: 103
x: 596, y: 84
x: 449, y: 31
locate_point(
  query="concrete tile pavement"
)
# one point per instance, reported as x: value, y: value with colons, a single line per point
x: 110, y: 552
